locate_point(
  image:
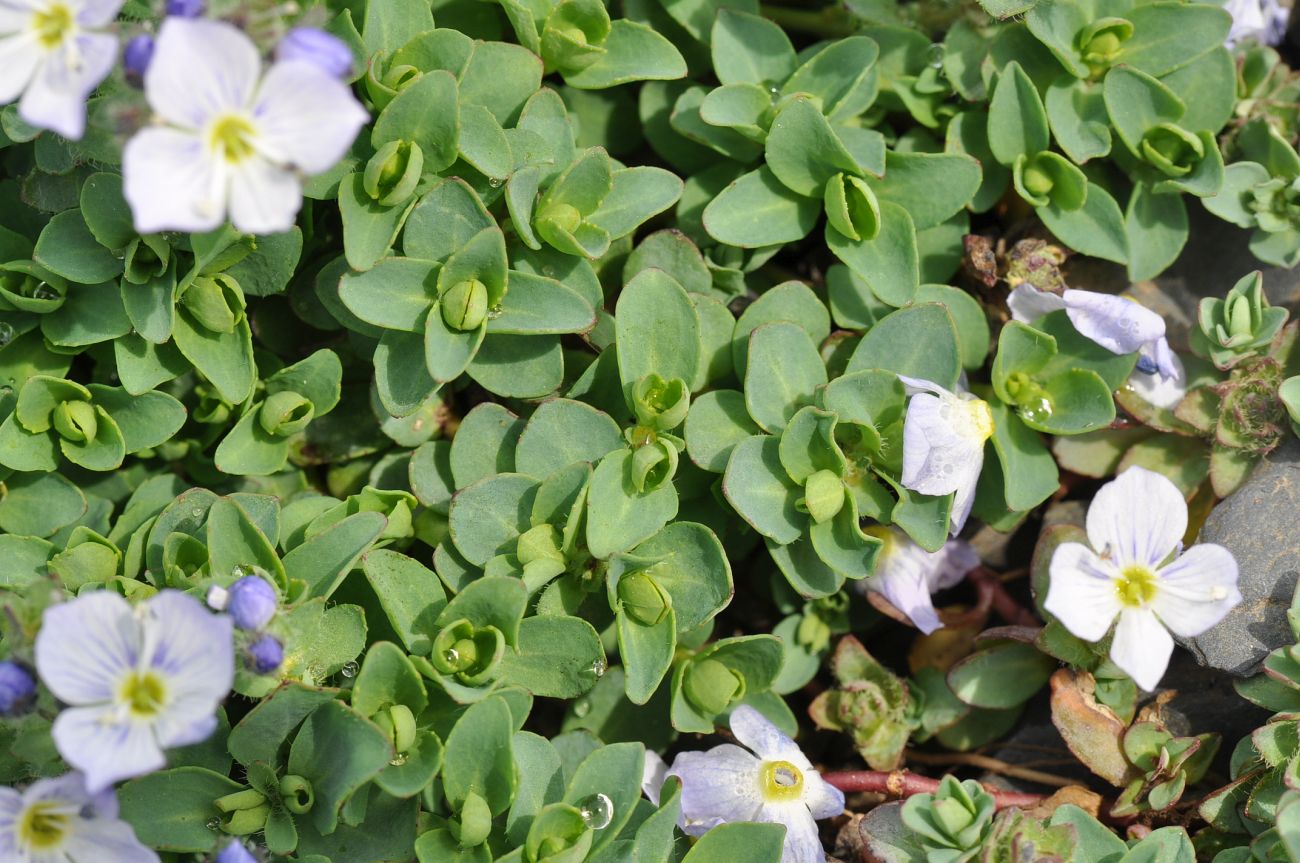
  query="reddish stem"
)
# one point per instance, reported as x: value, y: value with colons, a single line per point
x: 1004, y: 604
x: 898, y: 784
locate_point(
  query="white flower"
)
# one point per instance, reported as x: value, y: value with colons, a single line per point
x: 59, y: 821
x: 1140, y: 575
x: 1262, y: 20
x: 943, y: 444
x: 53, y: 56
x: 907, y: 574
x: 1119, y: 325
x: 771, y: 781
x: 136, y: 681
x: 231, y: 143
x: 653, y: 773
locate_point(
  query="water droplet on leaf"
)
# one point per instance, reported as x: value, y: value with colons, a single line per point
x: 581, y: 708
x: 1037, y: 410
x: 7, y: 333
x: 398, y: 760
x: 596, y: 811
x: 451, y: 655
x: 349, y: 669
x: 213, y: 823
x: 495, y: 182
x: 598, y: 667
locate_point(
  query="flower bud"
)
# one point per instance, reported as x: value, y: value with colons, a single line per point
x: 251, y: 602
x: 1100, y: 41
x: 146, y: 258
x: 235, y: 852
x: 653, y: 465
x: 216, y: 302
x: 660, y: 404
x: 75, y: 421
x: 398, y: 725
x: 285, y: 413
x: 185, y: 8
x: 297, y: 794
x: 469, y: 654
x: 465, y: 305
x: 642, y: 599
x: 712, y: 687
x: 136, y: 57
x: 393, y: 173
x: 561, y: 217
x: 265, y: 654
x: 321, y: 49
x: 823, y: 495
x: 1174, y: 151
x: 475, y: 821
x: 29, y: 287
x: 16, y: 687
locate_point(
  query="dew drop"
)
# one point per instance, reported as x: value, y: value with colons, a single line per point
x: 596, y: 811
x: 774, y: 91
x: 598, y: 667
x: 349, y: 669
x: 7, y: 333
x: 581, y: 707
x: 197, y: 512
x: 45, y: 292
x: 6, y: 391
x: 496, y: 311
x: 451, y: 655
x: 1037, y: 410
x: 934, y: 56
x: 495, y: 182
x: 398, y: 760
x: 239, y: 571
x: 213, y: 823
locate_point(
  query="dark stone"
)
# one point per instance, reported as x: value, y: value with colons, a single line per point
x: 1257, y: 524
x: 1205, y: 702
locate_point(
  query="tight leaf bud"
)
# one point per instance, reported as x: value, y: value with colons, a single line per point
x: 823, y: 495
x: 285, y: 413
x: 393, y: 173
x: 465, y: 305
x: 642, y: 599
x: 712, y: 687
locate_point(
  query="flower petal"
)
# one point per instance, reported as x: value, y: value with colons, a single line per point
x: 1195, y: 591
x: 85, y: 645
x: 167, y: 178
x: 97, y: 13
x: 193, y: 650
x: 913, y: 386
x: 823, y: 799
x: 1165, y: 387
x: 1138, y: 518
x: 1081, y: 593
x: 306, y: 117
x: 56, y: 95
x: 106, y: 839
x: 264, y: 198
x: 19, y: 57
x: 200, y: 69
x: 1028, y: 304
x: 1117, y: 324
x: 933, y: 452
x: 96, y: 741
x: 764, y: 739
x: 963, y: 499
x: 721, y: 783
x: 1142, y: 647
x: 951, y: 563
x: 653, y: 773
x: 901, y: 579
x: 802, y: 842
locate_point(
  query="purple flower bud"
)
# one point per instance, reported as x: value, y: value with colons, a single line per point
x: 16, y: 687
x: 251, y: 602
x: 265, y: 654
x: 136, y: 57
x: 235, y: 852
x: 185, y: 8
x: 307, y: 44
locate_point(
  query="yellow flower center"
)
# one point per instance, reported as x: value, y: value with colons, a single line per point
x: 1136, y: 586
x: 781, y: 781
x: 981, y: 417
x: 232, y: 136
x: 43, y: 827
x: 53, y: 24
x: 143, y: 694
x: 885, y: 535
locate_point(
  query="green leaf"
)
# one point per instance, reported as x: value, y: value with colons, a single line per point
x: 39, y: 504
x: 930, y: 186
x: 637, y: 195
x: 843, y: 74
x: 802, y: 149
x: 67, y: 248
x: 557, y: 657
x: 1157, y: 228
x: 918, y: 341
x: 759, y: 843
x: 325, y: 559
x: 748, y: 49
x: 487, y: 516
x: 484, y: 444
x: 618, y: 516
x: 146, y: 420
x: 756, y: 484
x: 1136, y: 103
x: 758, y: 210
x: 658, y: 331
x: 788, y: 301
x: 1001, y: 676
x: 105, y: 211
x: 477, y: 758
x: 369, y: 228
x: 717, y: 421
x: 890, y: 262
x: 337, y: 751
x: 170, y: 810
x: 633, y: 52
x: 1028, y: 469
x: 389, y: 26
x: 262, y: 731
x: 1096, y: 228
x: 967, y: 316
x: 410, y: 594
x: 444, y: 221
x: 1168, y: 36
x: 561, y: 432
x: 519, y: 366
x: 225, y: 359
x: 1017, y: 118
x: 1077, y: 110
x: 782, y: 375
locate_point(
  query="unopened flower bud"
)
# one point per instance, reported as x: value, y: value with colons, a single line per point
x: 185, y: 8
x: 465, y: 305
x: 285, y: 413
x: 76, y: 421
x: 136, y: 57
x: 643, y: 599
x: 251, y: 602
x: 712, y: 687
x: 16, y: 687
x: 823, y: 495
x: 311, y: 45
x: 265, y: 655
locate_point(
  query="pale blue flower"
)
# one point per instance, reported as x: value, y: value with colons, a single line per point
x: 53, y: 54
x: 136, y: 680
x: 1262, y: 20
x: 770, y: 781
x: 60, y: 821
x: 1136, y: 571
x: 943, y: 444
x: 233, y: 143
x: 311, y: 45
x: 906, y: 575
x: 235, y: 852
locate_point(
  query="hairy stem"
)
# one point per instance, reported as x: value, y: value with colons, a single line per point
x: 899, y: 784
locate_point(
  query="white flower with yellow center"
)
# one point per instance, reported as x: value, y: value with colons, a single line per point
x: 1136, y: 571
x: 136, y: 680
x: 59, y: 821
x: 771, y: 781
x: 233, y: 142
x: 907, y: 574
x: 53, y: 56
x: 943, y: 444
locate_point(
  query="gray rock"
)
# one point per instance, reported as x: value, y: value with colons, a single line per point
x: 1258, y: 525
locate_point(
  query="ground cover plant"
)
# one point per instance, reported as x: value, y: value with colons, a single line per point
x: 548, y: 431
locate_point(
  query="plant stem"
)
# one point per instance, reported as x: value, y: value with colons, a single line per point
x: 898, y: 784
x: 994, y: 765
x: 1005, y: 605
x: 830, y: 22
